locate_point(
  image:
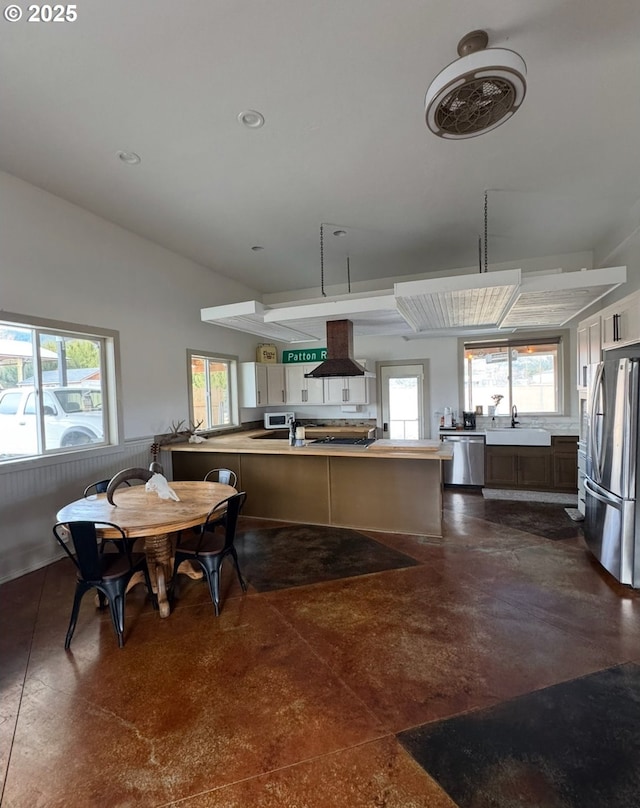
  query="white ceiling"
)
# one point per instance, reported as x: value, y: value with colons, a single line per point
x: 341, y: 86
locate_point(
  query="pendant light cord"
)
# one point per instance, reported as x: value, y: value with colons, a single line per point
x: 348, y: 276
x: 324, y: 294
x: 486, y: 262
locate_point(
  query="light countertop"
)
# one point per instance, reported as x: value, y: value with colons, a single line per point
x: 554, y: 432
x: 246, y: 443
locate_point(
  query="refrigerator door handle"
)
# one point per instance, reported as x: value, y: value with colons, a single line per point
x: 597, y: 495
x: 593, y: 447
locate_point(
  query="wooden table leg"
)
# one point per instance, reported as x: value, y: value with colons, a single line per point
x: 158, y: 552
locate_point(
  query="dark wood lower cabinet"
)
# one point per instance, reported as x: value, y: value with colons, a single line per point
x: 544, y: 468
x: 500, y: 467
x: 535, y: 467
x: 565, y: 462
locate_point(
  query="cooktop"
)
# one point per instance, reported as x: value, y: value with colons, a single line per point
x: 342, y: 441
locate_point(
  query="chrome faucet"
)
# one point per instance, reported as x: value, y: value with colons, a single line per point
x: 514, y: 415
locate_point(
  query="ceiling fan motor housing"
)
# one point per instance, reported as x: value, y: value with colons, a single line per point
x: 477, y: 92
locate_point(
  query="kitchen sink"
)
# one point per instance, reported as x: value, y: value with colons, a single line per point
x: 518, y: 436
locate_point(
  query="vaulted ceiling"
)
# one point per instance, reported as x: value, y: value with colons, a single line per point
x: 341, y: 86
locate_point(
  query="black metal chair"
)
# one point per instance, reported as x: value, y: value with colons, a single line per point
x: 212, y: 545
x: 108, y: 573
x: 225, y: 476
x: 97, y: 488
x: 100, y: 487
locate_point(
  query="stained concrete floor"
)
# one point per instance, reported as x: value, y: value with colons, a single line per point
x: 488, y: 668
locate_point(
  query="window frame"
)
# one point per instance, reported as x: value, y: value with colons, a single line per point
x: 109, y: 341
x: 234, y: 409
x: 562, y: 338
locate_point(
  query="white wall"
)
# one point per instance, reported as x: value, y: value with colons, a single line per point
x: 63, y: 263
x: 60, y: 262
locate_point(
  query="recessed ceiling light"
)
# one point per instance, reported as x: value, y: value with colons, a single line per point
x: 339, y: 233
x: 251, y: 118
x: 257, y: 248
x: 129, y: 157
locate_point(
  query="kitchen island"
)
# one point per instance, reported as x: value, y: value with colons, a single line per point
x: 386, y: 488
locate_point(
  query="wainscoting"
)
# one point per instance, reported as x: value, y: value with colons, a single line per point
x: 30, y: 497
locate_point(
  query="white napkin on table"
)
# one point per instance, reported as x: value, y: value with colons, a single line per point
x: 159, y: 484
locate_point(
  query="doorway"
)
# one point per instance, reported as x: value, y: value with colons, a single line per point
x: 403, y: 394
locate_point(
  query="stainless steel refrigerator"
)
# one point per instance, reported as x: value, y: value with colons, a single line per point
x: 611, y: 527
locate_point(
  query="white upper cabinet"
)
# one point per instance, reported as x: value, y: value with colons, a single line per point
x: 589, y: 347
x: 262, y: 384
x: 621, y: 322
x: 348, y: 390
x: 300, y: 390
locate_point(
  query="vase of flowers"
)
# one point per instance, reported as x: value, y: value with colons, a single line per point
x: 496, y: 398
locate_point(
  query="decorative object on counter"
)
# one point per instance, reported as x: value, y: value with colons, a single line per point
x: 496, y: 398
x: 478, y: 409
x: 266, y: 353
x: 197, y: 439
x: 178, y: 434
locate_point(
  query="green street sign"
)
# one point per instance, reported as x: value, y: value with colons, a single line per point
x: 304, y: 355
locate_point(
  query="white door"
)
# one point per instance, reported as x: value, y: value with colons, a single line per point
x: 402, y: 396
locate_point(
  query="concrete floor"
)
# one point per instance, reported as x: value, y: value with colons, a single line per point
x: 325, y: 685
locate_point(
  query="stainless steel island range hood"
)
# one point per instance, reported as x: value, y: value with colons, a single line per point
x: 339, y: 361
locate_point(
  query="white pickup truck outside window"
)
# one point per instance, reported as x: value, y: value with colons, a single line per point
x: 72, y: 417
x: 55, y: 390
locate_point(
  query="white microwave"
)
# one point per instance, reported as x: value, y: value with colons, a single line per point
x: 278, y: 420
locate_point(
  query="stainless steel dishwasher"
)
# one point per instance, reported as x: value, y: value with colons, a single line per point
x: 467, y: 465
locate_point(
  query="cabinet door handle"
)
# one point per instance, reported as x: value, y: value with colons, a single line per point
x: 259, y: 398
x: 616, y: 328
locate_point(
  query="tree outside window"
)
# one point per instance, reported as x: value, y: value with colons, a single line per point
x: 524, y: 373
x: 212, y: 382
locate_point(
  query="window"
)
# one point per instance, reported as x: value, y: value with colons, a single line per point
x: 527, y: 373
x: 56, y: 386
x: 213, y: 384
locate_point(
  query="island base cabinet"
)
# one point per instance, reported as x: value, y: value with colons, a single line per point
x: 194, y: 466
x: 291, y: 489
x: 390, y: 495
x: 394, y: 495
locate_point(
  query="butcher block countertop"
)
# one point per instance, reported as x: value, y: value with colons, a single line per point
x: 248, y: 443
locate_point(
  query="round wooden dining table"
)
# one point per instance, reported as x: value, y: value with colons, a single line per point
x: 142, y: 514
